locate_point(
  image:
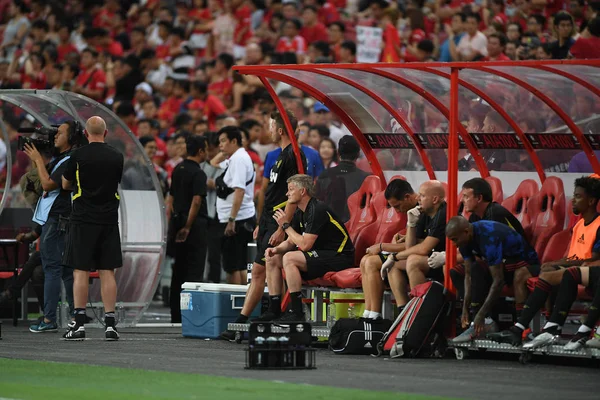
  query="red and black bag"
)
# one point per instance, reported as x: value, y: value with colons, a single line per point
x: 419, y: 329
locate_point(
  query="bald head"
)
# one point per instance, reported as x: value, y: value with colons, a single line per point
x: 434, y: 188
x: 95, y: 126
x: 431, y: 196
x: 456, y: 225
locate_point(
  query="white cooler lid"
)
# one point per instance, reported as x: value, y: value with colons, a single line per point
x: 214, y: 287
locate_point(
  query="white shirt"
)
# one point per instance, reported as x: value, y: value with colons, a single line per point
x: 467, y: 45
x: 239, y: 171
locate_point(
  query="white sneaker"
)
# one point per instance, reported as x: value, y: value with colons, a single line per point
x: 541, y: 340
x: 578, y: 341
x: 469, y: 334
x: 594, y: 342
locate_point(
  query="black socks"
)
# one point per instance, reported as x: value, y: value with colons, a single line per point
x: 275, y: 304
x: 109, y: 319
x: 297, y: 302
x: 535, y: 302
x: 79, y: 317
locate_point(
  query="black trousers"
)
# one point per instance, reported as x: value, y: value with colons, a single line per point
x: 32, y: 269
x: 190, y: 258
x: 214, y: 250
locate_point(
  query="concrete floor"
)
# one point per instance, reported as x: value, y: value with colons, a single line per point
x: 495, y: 377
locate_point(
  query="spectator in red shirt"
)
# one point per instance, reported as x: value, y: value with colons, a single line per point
x: 577, y: 9
x: 65, y: 46
x: 209, y: 106
x: 145, y: 128
x: 106, y: 44
x: 221, y: 84
x: 105, y: 18
x: 243, y: 27
x: 495, y: 46
x: 33, y: 77
x: 91, y: 81
x: 588, y: 44
x: 164, y: 33
x: 336, y: 37
x: 327, y: 12
x: 290, y: 41
x: 312, y: 30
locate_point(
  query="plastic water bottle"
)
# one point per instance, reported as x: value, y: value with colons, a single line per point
x: 351, y: 310
x: 330, y: 315
x: 260, y: 343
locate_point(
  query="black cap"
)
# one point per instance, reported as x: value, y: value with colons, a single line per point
x: 348, y: 148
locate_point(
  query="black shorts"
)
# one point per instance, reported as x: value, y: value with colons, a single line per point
x: 266, y: 228
x: 319, y: 262
x: 234, y: 249
x: 93, y: 247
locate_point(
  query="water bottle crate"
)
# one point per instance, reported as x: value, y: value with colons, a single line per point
x: 280, y: 346
x: 289, y: 358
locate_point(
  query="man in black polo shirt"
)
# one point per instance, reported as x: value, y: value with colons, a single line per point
x: 52, y: 213
x: 93, y: 241
x: 189, y: 220
x: 336, y: 184
x: 477, y: 199
x: 317, y: 243
x: 425, y: 233
x: 268, y: 233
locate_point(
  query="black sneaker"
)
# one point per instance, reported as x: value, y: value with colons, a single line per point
x: 111, y: 333
x: 75, y: 334
x: 267, y: 317
x: 291, y: 316
x: 512, y: 336
x: 228, y: 335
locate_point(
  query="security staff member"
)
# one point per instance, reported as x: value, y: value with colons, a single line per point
x: 52, y: 213
x: 189, y: 220
x: 93, y: 241
x: 273, y: 193
x: 317, y: 243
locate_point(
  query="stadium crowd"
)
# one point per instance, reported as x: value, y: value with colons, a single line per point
x: 165, y: 68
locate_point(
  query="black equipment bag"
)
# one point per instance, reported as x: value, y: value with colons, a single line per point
x: 419, y: 329
x: 357, y: 336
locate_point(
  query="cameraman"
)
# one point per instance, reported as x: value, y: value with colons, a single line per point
x: 52, y: 213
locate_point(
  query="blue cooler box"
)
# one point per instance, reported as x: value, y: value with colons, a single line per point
x: 207, y: 308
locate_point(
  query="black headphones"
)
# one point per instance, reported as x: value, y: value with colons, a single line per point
x: 75, y: 132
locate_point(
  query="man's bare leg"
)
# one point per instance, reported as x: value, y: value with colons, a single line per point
x: 398, y: 283
x: 256, y: 289
x: 374, y: 284
x: 416, y: 268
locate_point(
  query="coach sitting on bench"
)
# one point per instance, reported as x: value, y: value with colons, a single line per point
x: 317, y: 242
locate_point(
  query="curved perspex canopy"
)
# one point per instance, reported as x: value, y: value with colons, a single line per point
x: 141, y: 215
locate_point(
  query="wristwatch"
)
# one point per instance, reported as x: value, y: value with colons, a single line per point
x: 231, y: 219
x: 285, y: 226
